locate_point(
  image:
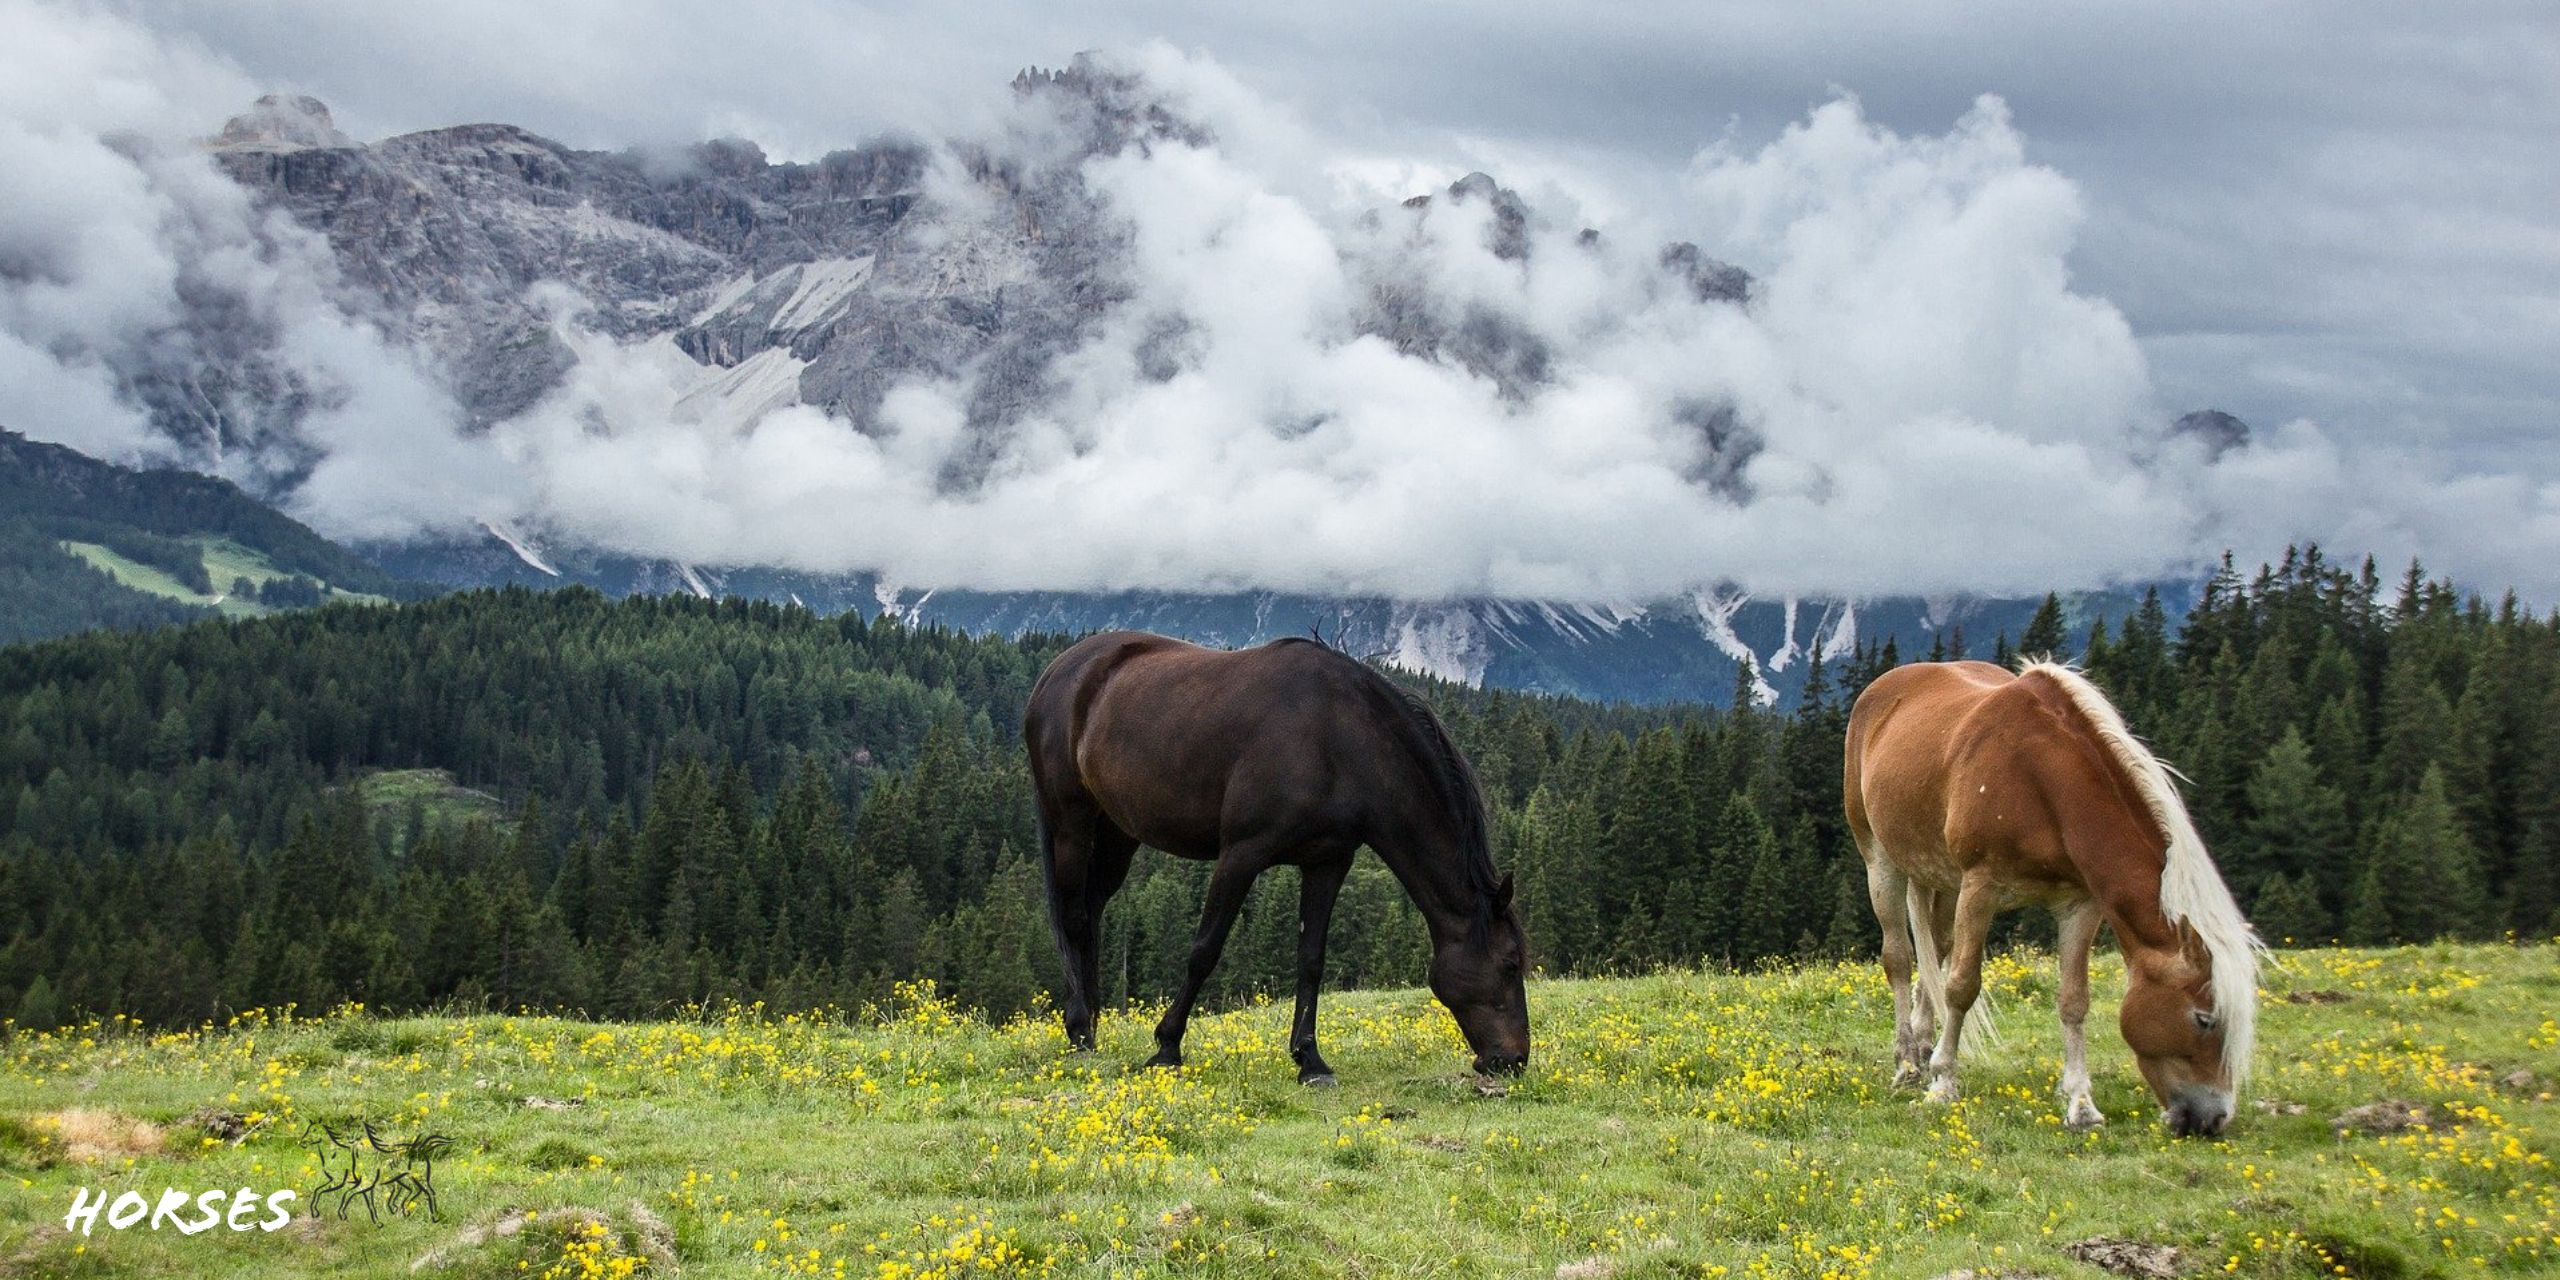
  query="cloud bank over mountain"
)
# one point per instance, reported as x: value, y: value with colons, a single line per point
x: 1264, y: 368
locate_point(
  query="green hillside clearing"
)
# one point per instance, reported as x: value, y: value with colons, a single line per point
x: 225, y: 561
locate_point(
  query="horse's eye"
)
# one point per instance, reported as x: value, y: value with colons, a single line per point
x: 2205, y: 1021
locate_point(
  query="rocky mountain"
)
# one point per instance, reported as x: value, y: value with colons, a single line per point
x: 818, y: 283
x: 490, y: 253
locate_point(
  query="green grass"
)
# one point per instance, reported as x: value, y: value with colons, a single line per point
x: 225, y: 561
x: 153, y: 581
x: 390, y: 794
x: 1672, y: 1125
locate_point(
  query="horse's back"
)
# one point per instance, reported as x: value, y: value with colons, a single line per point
x: 1152, y: 730
x: 1950, y: 765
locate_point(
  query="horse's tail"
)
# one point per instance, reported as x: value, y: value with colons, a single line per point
x: 2191, y: 889
x: 1929, y: 973
x: 1929, y: 969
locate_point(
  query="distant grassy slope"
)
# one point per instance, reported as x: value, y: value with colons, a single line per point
x: 1677, y: 1125
x: 432, y: 794
x: 226, y: 564
x: 135, y: 575
x: 168, y: 542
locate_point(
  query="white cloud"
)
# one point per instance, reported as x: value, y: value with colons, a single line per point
x: 1939, y: 410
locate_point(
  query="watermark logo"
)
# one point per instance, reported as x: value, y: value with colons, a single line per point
x: 190, y: 1212
x: 359, y: 1164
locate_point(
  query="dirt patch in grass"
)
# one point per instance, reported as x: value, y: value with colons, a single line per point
x: 220, y: 1123
x: 2392, y: 1115
x: 2139, y: 1259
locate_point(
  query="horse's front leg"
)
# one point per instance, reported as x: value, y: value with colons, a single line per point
x: 1318, y: 885
x: 1976, y: 902
x: 1237, y: 867
x: 2077, y: 930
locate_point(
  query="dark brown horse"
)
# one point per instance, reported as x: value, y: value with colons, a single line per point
x: 1289, y: 753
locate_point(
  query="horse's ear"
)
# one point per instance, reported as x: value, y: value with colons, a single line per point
x: 1502, y: 892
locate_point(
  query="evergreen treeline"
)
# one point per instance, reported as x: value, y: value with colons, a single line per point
x: 51, y: 592
x: 744, y: 800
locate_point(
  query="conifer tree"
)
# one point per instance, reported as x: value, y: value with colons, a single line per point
x: 2044, y: 636
x: 2287, y: 913
x: 2297, y: 826
x: 2423, y: 873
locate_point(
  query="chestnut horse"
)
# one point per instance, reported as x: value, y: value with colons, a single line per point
x: 1288, y: 753
x: 1969, y: 790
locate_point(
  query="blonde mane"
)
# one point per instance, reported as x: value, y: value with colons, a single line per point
x: 2191, y: 890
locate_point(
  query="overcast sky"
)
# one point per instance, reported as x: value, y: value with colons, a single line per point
x: 2339, y: 221
x: 2348, y: 211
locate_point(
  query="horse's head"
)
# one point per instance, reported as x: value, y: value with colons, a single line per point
x: 1477, y: 972
x: 2179, y: 1038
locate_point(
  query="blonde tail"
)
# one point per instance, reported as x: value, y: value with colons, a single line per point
x: 1930, y: 971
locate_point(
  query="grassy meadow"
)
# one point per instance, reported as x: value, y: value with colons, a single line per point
x: 1679, y: 1124
x: 225, y: 562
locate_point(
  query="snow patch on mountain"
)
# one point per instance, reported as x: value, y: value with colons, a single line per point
x: 824, y: 286
x: 728, y: 296
x: 1443, y: 642
x: 887, y: 592
x: 1844, y: 634
x: 1715, y: 617
x: 736, y: 398
x: 1787, y: 648
x: 524, y: 550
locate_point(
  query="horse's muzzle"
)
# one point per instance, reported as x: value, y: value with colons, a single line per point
x: 2198, y: 1113
x: 1501, y: 1064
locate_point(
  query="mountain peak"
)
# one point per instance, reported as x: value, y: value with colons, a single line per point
x: 2220, y: 432
x: 1118, y: 108
x: 282, y: 122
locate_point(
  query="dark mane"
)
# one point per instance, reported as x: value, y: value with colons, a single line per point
x: 1453, y: 781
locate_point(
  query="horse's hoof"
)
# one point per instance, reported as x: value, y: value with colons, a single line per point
x: 1163, y: 1061
x: 1906, y: 1076
x: 2083, y: 1116
x: 1942, y: 1091
x: 1317, y: 1079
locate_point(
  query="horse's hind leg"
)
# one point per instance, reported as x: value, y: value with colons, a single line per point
x: 1975, y: 904
x: 1085, y: 859
x: 2077, y: 930
x: 1887, y: 891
